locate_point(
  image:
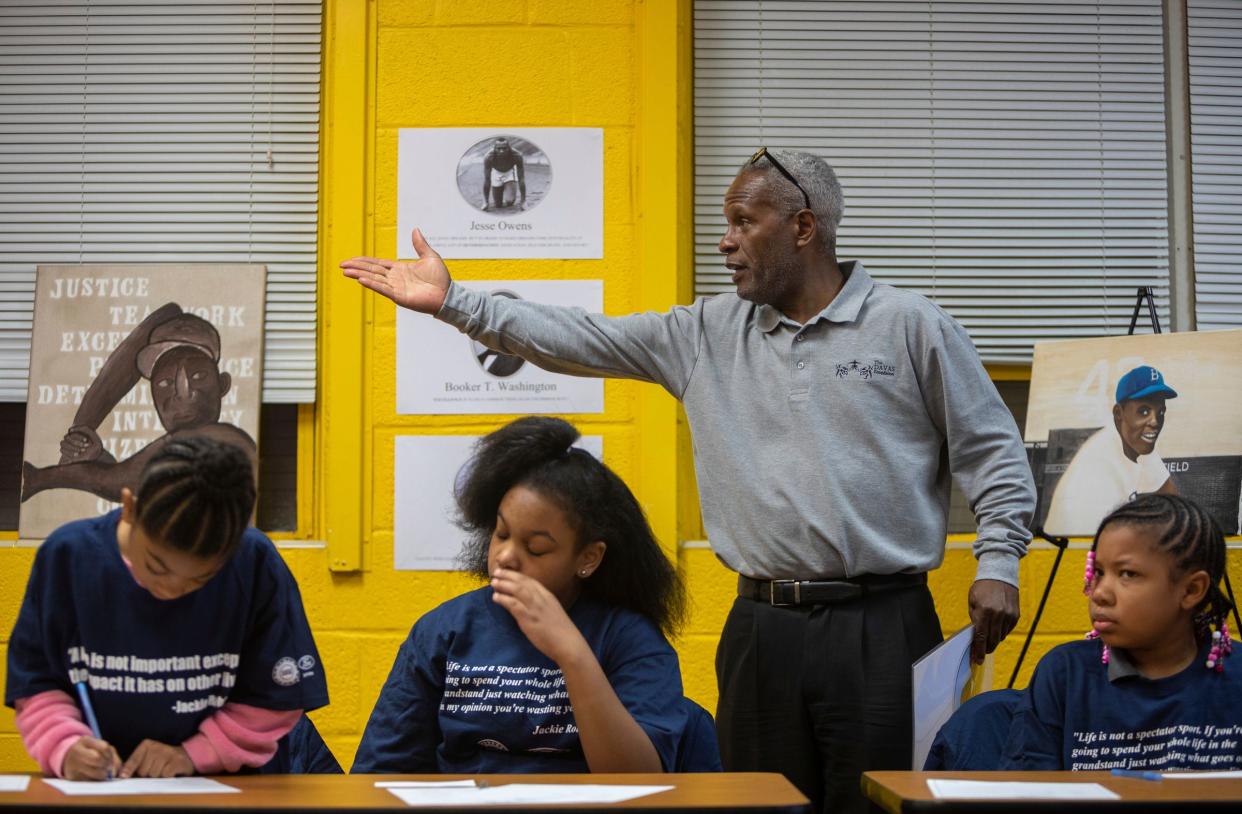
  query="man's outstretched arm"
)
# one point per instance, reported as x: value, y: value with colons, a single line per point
x: 653, y: 347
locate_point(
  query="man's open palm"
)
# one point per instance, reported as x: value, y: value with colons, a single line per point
x: 420, y: 285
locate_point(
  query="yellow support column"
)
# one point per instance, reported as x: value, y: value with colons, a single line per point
x: 343, y: 466
x: 663, y: 185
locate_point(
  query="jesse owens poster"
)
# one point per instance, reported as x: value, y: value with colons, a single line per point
x: 533, y: 192
x: 440, y: 370
x: 123, y: 358
x: 1119, y: 416
x: 426, y: 470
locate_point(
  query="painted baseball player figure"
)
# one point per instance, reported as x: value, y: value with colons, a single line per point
x: 1117, y: 463
x: 179, y: 353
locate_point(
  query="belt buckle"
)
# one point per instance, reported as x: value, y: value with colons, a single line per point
x: 797, y: 591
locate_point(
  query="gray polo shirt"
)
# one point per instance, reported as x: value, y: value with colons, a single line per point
x: 822, y: 450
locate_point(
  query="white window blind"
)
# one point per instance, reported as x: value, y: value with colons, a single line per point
x: 1005, y: 159
x: 1215, y: 29
x: 159, y: 132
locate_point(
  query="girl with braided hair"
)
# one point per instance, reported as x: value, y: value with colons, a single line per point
x: 1149, y: 689
x: 558, y: 664
x: 178, y: 621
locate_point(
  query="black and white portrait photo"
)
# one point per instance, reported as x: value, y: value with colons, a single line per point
x: 504, y: 175
x: 487, y: 192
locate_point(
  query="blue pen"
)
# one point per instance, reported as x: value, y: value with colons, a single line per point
x: 1140, y: 775
x: 89, y: 712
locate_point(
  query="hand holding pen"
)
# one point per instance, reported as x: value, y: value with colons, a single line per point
x: 90, y: 757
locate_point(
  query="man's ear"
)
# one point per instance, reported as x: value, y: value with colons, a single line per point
x: 806, y: 228
x: 1116, y: 415
x: 226, y: 381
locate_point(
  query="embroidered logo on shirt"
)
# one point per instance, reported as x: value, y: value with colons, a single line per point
x: 285, y: 673
x: 306, y: 662
x: 866, y: 370
x: 489, y: 743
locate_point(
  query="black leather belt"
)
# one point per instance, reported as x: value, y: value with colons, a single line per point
x: 784, y: 592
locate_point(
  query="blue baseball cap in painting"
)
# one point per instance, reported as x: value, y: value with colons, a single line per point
x: 1143, y: 382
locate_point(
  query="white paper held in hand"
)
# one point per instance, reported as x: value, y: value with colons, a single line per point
x: 937, y: 681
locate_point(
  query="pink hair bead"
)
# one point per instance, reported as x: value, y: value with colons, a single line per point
x: 1089, y: 577
x: 1095, y: 634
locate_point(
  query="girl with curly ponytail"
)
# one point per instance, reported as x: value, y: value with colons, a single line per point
x: 560, y: 663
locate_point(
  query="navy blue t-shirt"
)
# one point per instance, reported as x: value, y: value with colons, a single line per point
x: 1078, y: 714
x: 469, y: 694
x: 156, y: 668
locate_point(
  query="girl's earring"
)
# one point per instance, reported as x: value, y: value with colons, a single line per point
x: 584, y: 573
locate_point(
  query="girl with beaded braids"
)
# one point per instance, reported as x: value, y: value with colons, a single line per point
x: 1149, y: 688
x: 558, y: 664
x: 181, y: 624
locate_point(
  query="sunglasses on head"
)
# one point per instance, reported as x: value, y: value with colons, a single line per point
x: 763, y: 152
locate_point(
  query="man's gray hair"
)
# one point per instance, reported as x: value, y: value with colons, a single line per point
x: 819, y: 181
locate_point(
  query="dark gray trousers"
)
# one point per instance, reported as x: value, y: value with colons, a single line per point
x: 821, y: 693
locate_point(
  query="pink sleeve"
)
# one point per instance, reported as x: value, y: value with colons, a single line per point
x: 238, y: 735
x: 49, y: 724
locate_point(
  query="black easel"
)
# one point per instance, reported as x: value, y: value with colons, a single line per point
x: 1061, y: 543
x: 1145, y: 293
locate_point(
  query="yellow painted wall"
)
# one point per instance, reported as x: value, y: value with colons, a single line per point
x: 523, y: 63
x: 622, y: 65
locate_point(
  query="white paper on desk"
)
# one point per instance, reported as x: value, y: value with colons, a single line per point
x: 14, y: 782
x: 938, y: 680
x: 1000, y: 790
x: 425, y: 784
x: 1235, y: 773
x: 142, y: 785
x: 522, y: 794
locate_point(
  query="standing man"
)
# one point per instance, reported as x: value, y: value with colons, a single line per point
x: 828, y: 413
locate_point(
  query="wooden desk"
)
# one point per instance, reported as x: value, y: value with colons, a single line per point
x: 904, y: 792
x: 749, y: 792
